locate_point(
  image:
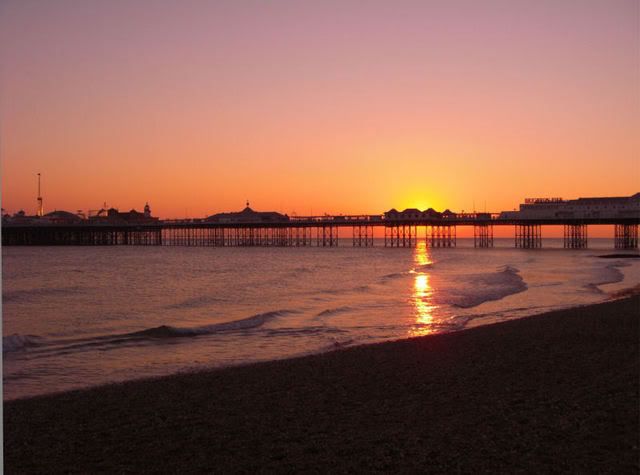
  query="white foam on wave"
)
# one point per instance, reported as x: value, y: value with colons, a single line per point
x: 487, y: 287
x: 609, y: 274
x: 15, y: 343
x: 166, y: 331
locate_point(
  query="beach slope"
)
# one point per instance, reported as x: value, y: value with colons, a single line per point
x: 554, y: 392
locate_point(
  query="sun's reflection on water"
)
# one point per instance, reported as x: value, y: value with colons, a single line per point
x: 422, y: 292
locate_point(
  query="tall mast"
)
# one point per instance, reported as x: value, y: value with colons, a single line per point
x: 40, y: 207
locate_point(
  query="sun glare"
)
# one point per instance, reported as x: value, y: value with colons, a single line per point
x: 422, y: 291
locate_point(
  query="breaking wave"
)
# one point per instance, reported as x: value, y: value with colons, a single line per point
x: 487, y: 287
x: 16, y: 343
x: 165, y: 331
x: 607, y: 275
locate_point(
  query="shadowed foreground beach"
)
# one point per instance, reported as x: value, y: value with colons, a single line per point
x: 555, y: 392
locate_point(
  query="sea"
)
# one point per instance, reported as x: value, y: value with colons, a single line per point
x: 75, y: 317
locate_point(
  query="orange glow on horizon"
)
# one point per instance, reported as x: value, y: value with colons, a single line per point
x: 414, y: 106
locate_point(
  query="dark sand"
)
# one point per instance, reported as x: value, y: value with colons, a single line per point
x: 557, y: 392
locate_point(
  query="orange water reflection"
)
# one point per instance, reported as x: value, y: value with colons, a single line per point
x: 422, y: 291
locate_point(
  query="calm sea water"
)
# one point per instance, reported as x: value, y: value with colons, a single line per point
x: 81, y: 316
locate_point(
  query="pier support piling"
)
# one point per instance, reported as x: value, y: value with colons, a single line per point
x: 626, y: 236
x: 362, y: 236
x: 443, y: 236
x: 528, y: 236
x: 575, y: 236
x: 483, y: 235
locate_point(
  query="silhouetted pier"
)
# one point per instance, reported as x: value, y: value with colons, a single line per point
x: 318, y: 231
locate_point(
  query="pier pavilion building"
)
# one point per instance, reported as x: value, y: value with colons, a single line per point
x: 246, y: 216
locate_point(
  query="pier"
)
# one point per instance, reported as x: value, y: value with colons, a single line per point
x: 316, y: 231
x: 400, y: 229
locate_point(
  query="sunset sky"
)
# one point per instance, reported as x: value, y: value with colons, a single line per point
x: 313, y: 107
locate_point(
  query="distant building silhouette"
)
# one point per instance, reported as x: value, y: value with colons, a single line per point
x: 61, y: 217
x: 20, y: 218
x: 113, y: 216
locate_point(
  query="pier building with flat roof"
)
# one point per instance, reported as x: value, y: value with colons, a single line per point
x: 581, y: 208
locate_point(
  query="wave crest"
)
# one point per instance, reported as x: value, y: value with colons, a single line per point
x: 609, y: 274
x: 166, y: 331
x: 15, y: 343
x: 487, y: 287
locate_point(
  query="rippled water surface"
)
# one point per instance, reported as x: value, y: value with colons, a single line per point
x: 80, y: 316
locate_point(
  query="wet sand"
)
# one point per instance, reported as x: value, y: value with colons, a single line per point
x: 555, y: 392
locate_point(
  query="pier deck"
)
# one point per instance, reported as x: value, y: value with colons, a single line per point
x: 321, y: 231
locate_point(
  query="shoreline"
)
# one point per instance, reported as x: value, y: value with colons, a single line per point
x: 452, y: 401
x: 620, y: 294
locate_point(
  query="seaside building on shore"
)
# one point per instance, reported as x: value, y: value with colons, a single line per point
x: 247, y: 215
x: 594, y: 208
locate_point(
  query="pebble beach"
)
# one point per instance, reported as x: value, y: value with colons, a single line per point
x: 554, y: 392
